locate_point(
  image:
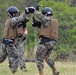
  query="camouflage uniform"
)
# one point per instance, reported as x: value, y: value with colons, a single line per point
x: 43, y: 52
x: 14, y: 52
x: 21, y: 58
x: 3, y: 53
x: 46, y: 44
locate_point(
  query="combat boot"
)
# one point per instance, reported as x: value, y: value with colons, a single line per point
x: 55, y: 72
x: 23, y: 68
x: 13, y: 72
x: 41, y: 72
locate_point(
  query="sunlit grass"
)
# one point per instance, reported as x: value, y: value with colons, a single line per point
x: 65, y: 68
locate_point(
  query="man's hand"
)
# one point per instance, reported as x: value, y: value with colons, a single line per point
x: 29, y: 10
x: 24, y: 37
x: 36, y: 23
x: 36, y: 7
x: 26, y: 19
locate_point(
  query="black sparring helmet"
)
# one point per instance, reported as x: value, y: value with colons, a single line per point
x: 47, y: 11
x: 12, y: 10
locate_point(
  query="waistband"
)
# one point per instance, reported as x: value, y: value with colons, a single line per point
x: 45, y: 39
x: 8, y: 39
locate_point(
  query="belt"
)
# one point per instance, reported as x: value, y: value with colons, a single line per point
x: 9, y: 38
x: 45, y: 39
x: 20, y: 36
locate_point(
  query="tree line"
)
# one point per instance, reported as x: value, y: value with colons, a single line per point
x: 63, y: 10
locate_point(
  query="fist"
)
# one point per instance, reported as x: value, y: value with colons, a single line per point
x: 29, y: 10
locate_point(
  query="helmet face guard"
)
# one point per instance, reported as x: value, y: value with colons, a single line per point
x: 12, y: 10
x: 47, y: 11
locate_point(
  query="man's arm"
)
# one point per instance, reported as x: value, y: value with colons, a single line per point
x: 24, y: 35
x: 25, y: 31
x: 44, y: 19
x: 15, y: 20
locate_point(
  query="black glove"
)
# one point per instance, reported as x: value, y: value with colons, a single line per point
x: 36, y: 7
x: 36, y: 23
x: 29, y: 10
x: 26, y: 19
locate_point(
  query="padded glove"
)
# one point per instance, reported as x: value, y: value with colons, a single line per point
x: 36, y: 23
x: 36, y: 7
x: 26, y: 19
x: 29, y: 10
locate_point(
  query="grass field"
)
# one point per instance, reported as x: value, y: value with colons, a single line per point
x: 65, y: 68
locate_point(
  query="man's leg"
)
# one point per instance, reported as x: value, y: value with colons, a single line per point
x: 12, y: 58
x: 50, y: 45
x: 51, y: 63
x: 21, y: 57
x: 3, y: 53
x: 40, y: 55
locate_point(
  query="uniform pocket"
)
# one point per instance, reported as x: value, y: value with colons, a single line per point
x: 50, y: 45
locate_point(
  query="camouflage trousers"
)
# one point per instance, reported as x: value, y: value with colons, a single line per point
x: 43, y: 53
x: 14, y: 54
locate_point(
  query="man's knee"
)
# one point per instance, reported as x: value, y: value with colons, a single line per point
x: 3, y: 56
x: 50, y: 62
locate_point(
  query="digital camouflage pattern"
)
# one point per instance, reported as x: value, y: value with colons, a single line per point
x: 15, y: 20
x: 43, y: 52
x: 14, y: 54
x: 47, y: 29
x: 45, y: 20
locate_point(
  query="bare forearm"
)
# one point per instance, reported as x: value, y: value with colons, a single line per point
x: 25, y: 31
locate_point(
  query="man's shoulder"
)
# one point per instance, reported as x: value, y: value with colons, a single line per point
x: 8, y: 21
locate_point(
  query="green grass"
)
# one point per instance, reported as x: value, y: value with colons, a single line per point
x: 65, y: 68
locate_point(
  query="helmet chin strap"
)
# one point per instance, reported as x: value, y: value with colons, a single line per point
x: 45, y: 14
x: 9, y: 15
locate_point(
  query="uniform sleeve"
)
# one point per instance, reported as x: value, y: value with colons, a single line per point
x: 15, y: 20
x: 44, y: 19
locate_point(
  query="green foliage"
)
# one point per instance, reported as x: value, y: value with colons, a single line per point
x: 65, y: 14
